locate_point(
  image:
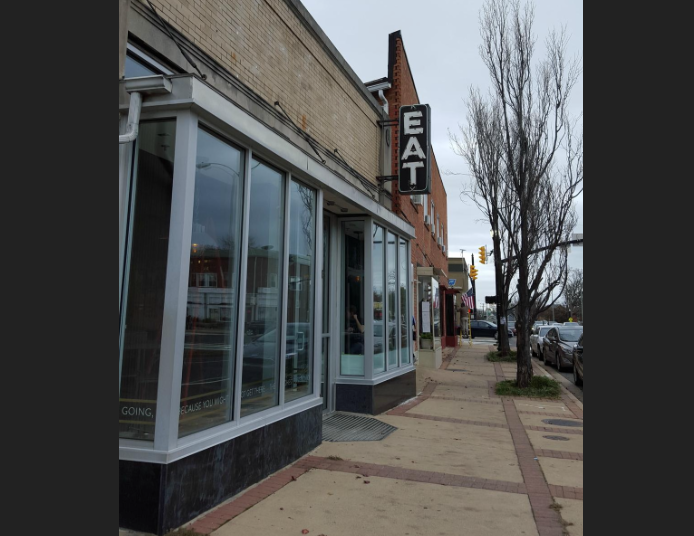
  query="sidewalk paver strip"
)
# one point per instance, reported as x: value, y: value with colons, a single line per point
x: 549, y: 522
x: 411, y: 475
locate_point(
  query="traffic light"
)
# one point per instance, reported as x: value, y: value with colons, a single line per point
x: 474, y: 273
x: 483, y: 255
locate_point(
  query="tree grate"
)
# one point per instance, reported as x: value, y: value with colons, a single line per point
x: 563, y: 423
x: 342, y: 428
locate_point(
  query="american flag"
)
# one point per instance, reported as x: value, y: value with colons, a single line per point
x: 469, y: 299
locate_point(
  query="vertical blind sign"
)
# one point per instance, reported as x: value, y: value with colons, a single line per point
x: 415, y: 146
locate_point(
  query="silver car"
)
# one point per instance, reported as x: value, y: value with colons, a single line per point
x: 537, y: 340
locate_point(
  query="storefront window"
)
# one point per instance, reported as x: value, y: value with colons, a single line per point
x: 302, y: 243
x: 378, y: 261
x: 425, y: 323
x: 353, y: 349
x: 392, y: 295
x: 436, y: 294
x: 405, y: 319
x: 430, y: 306
x: 208, y: 363
x: 263, y: 294
x: 143, y: 308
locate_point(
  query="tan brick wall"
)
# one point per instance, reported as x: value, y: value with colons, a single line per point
x: 266, y: 46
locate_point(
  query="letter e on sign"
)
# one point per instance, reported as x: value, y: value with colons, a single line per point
x: 415, y: 150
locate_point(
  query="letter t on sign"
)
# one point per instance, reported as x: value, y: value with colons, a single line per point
x: 413, y: 167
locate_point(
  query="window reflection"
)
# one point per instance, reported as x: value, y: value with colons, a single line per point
x: 263, y: 297
x: 378, y: 261
x: 353, y: 300
x: 404, y: 305
x: 302, y: 238
x: 144, y: 306
x: 436, y: 296
x: 211, y: 325
x: 136, y: 69
x: 392, y: 279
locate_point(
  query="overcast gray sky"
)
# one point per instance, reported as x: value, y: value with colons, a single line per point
x: 442, y: 40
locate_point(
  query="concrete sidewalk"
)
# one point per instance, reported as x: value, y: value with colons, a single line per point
x: 463, y: 461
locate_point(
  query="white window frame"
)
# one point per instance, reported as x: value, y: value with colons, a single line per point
x: 167, y: 447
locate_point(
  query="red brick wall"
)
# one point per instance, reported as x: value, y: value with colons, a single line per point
x: 425, y: 249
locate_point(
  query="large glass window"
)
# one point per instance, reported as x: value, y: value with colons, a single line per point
x: 392, y: 296
x: 302, y: 243
x: 378, y: 262
x: 263, y: 294
x: 211, y: 325
x: 143, y: 309
x: 352, y: 363
x: 405, y: 319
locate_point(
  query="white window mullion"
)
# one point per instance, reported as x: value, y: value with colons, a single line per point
x: 369, y: 299
x: 243, y: 282
x: 284, y: 267
x: 318, y: 327
x: 398, y: 306
x: 175, y: 304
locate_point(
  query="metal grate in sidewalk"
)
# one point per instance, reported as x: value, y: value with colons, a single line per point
x: 342, y: 428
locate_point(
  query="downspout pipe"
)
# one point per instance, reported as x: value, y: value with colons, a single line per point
x: 138, y: 88
x: 133, y: 119
x: 386, y: 106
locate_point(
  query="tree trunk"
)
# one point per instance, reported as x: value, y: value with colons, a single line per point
x: 525, y: 362
x: 504, y: 344
x: 525, y: 358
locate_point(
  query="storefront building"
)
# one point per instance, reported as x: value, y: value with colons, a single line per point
x: 435, y: 299
x: 264, y: 279
x: 459, y: 273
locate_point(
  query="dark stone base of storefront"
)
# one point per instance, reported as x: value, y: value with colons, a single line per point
x: 378, y: 399
x: 159, y: 498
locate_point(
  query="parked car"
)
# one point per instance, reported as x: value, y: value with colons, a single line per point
x: 578, y: 362
x: 537, y: 340
x: 482, y: 328
x: 558, y: 349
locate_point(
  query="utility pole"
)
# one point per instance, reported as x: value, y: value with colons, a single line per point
x: 474, y: 287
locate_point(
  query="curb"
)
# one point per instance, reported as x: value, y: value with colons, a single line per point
x: 562, y: 381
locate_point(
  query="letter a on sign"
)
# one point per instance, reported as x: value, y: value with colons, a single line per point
x: 415, y: 150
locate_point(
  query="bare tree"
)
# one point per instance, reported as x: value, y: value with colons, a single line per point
x: 482, y: 146
x: 523, y: 128
x: 574, y: 292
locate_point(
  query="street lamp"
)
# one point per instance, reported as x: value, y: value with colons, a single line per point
x: 207, y: 165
